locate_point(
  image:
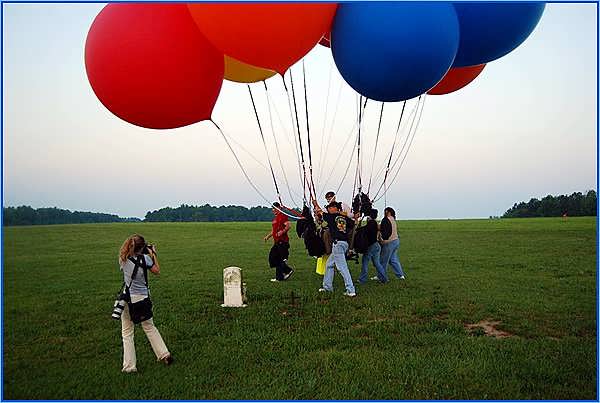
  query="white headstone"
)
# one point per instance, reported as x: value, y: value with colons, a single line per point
x: 233, y: 288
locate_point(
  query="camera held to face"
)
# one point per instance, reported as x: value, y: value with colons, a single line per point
x: 148, y: 248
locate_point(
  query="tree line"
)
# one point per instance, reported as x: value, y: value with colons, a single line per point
x: 26, y: 215
x: 575, y: 205
x: 187, y: 213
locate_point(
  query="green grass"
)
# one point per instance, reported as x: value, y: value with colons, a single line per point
x: 403, y: 340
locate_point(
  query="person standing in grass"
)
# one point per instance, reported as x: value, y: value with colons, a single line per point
x: 135, y: 259
x: 281, y: 245
x: 390, y: 243
x: 373, y: 252
x: 339, y: 226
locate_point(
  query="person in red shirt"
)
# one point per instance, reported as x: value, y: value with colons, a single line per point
x: 281, y: 245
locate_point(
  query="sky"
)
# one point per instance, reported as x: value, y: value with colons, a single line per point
x: 526, y: 127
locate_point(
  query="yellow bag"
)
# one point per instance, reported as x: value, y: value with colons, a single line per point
x: 321, y: 263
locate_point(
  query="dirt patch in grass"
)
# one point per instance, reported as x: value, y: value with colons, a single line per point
x: 488, y: 327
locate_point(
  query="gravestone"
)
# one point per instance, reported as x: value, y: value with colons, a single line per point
x: 234, y: 290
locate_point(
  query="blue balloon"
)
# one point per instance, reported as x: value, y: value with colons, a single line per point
x: 489, y: 31
x: 394, y: 51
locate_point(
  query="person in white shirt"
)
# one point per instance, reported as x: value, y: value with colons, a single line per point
x: 390, y: 243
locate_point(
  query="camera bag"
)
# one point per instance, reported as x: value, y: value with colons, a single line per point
x: 141, y: 310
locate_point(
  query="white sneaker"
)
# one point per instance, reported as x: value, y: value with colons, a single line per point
x: 286, y: 276
x: 350, y: 294
x: 401, y: 277
x: 274, y: 280
x: 375, y: 278
x: 323, y: 290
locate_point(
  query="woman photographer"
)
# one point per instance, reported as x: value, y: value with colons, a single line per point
x: 135, y: 259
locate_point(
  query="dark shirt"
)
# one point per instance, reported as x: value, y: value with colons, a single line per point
x: 339, y: 226
x: 371, y: 231
x: 386, y: 228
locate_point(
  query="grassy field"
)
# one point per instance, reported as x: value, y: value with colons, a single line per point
x: 404, y: 340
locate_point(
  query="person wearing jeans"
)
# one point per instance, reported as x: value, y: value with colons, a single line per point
x: 373, y: 252
x: 338, y: 259
x: 390, y: 243
x: 339, y: 227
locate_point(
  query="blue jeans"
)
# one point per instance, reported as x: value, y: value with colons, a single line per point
x: 389, y: 255
x: 373, y: 254
x: 338, y: 258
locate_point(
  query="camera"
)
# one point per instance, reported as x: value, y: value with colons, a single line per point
x: 147, y: 248
x: 118, y: 307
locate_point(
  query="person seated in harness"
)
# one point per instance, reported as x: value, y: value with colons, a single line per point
x: 344, y: 208
x: 339, y: 227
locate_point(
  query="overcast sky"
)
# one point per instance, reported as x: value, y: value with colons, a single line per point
x: 526, y: 127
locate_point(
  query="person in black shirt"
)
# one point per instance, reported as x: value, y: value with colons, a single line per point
x: 373, y: 253
x: 339, y: 226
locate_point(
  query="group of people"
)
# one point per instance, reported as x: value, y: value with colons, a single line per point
x: 137, y: 258
x: 338, y: 224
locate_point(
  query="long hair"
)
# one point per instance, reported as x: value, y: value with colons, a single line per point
x: 132, y: 246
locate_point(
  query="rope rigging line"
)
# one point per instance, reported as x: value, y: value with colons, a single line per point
x: 311, y: 183
x: 409, y: 144
x: 358, y: 176
x: 390, y: 166
x: 304, y: 182
x: 325, y: 117
x: 269, y: 203
x: 240, y: 164
x: 386, y: 166
x: 340, y: 154
x: 277, y: 144
x: 262, y: 136
x: 375, y: 148
x: 324, y: 153
x: 294, y: 123
x: 350, y: 161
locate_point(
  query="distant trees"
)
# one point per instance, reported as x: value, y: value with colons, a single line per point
x: 26, y: 215
x: 185, y: 213
x: 577, y: 204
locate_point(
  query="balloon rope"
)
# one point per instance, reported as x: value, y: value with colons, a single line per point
x: 311, y: 184
x: 411, y: 118
x: 410, y: 143
x: 375, y: 148
x: 299, y: 139
x: 239, y: 163
x: 324, y: 153
x: 319, y: 167
x: 342, y: 153
x: 262, y: 136
x: 387, y: 167
x: 277, y: 144
x: 293, y: 131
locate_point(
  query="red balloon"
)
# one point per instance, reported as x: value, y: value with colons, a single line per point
x: 455, y: 79
x: 268, y: 35
x: 150, y: 65
x: 326, y: 40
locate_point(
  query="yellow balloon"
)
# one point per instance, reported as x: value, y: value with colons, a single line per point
x: 245, y: 73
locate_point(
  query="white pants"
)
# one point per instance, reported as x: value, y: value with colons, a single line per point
x: 156, y: 341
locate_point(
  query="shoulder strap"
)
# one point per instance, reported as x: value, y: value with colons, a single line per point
x: 139, y: 262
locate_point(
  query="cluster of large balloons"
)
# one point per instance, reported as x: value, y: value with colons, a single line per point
x: 162, y: 65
